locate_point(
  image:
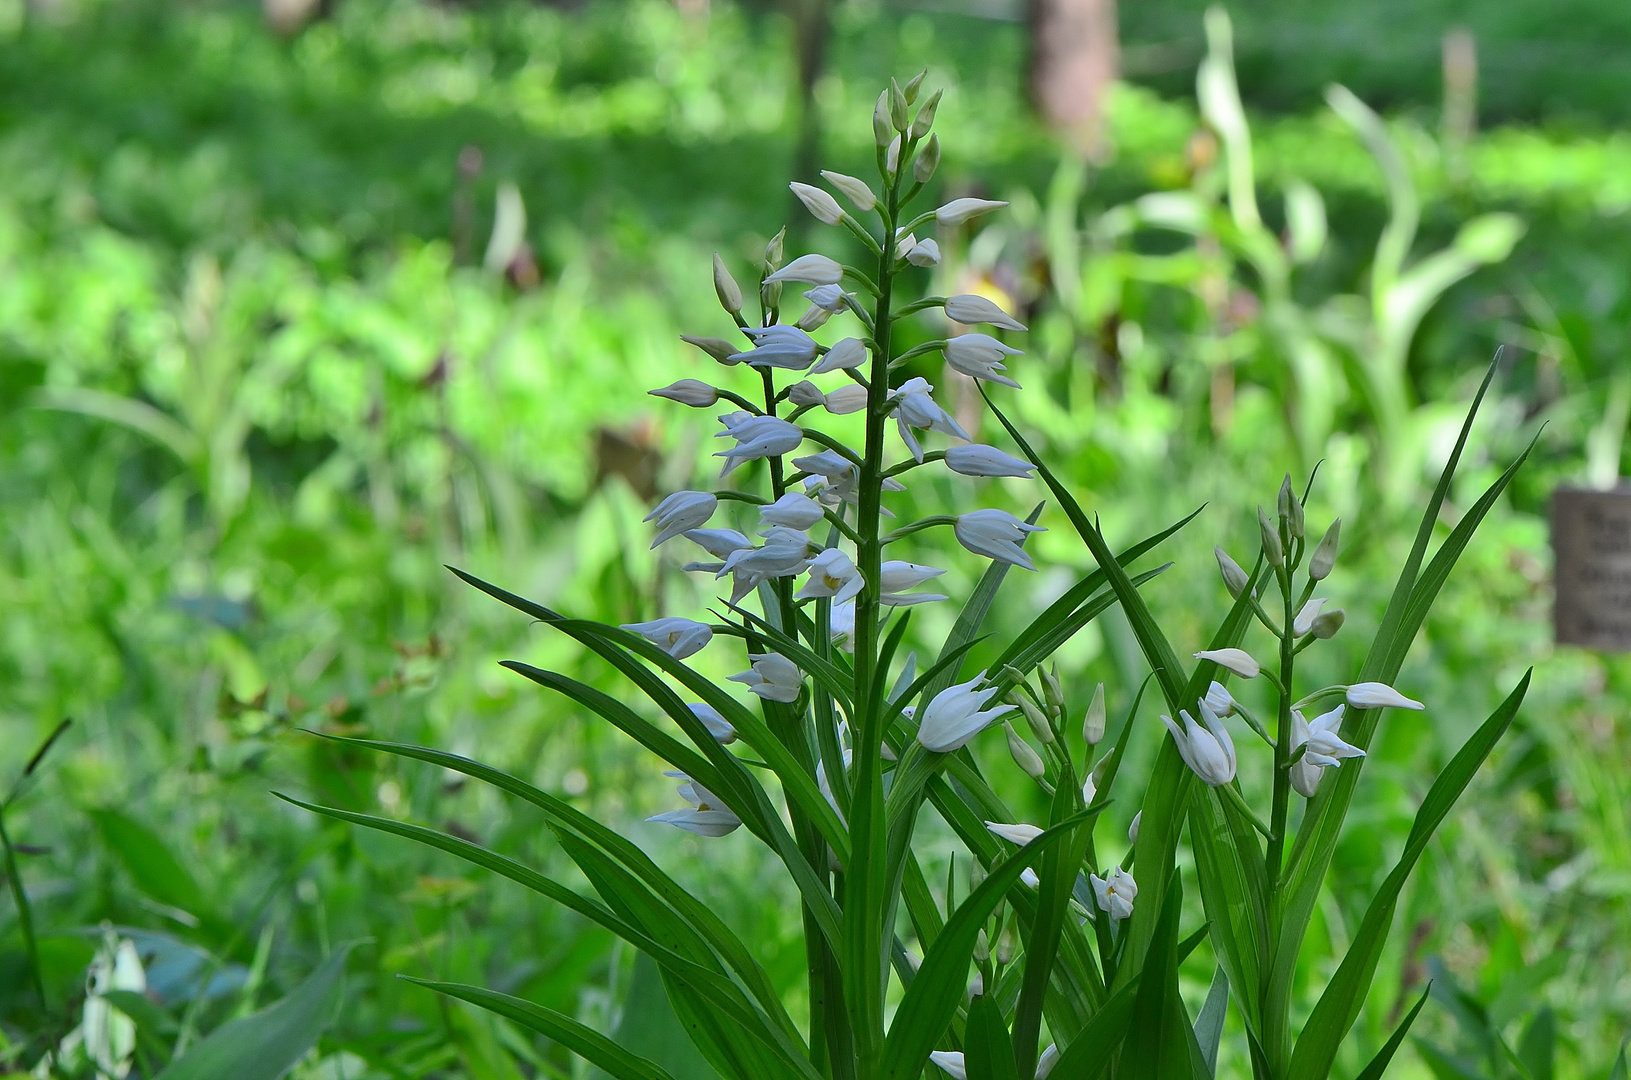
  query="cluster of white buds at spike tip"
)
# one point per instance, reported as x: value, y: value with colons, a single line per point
x: 957, y: 714
x: 682, y: 512
x: 979, y: 356
x: 996, y: 534
x: 1115, y: 894
x: 772, y: 677
x: 1208, y: 751
x: 707, y: 815
x: 677, y: 637
x: 1325, y: 749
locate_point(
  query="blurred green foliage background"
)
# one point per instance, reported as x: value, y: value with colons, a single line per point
x: 257, y: 387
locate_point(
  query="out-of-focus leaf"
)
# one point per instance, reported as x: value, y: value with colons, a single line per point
x: 153, y: 867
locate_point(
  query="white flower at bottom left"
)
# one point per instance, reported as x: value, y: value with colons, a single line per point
x: 706, y: 816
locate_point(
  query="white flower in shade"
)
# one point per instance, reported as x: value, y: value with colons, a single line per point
x: 960, y: 210
x: 1304, y: 622
x: 1208, y: 751
x: 720, y: 543
x: 849, y: 398
x: 1115, y: 895
x: 1375, y: 695
x: 951, y: 1062
x: 772, y: 677
x: 841, y: 624
x: 693, y: 392
x: 806, y: 393
x: 779, y: 346
x: 1046, y: 1061
x: 677, y: 637
x: 896, y: 578
x: 811, y: 270
x: 904, y: 242
x: 792, y: 510
x: 1015, y: 834
x: 957, y: 714
x: 1219, y: 698
x: 833, y: 574
x: 814, y: 318
x: 681, y: 512
x: 1326, y: 748
x: 784, y: 554
x: 914, y: 408
x: 1090, y: 790
x: 1132, y: 830
x: 823, y: 207
x: 969, y: 310
x: 829, y: 298
x: 1238, y: 661
x: 978, y: 459
x: 1028, y: 876
x: 979, y: 356
x: 848, y: 353
x: 761, y: 436
x: 924, y: 253
x: 996, y: 534
x: 719, y: 727
x: 856, y: 191
x: 707, y: 815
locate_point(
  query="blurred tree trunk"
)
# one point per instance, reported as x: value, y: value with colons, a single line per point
x: 1074, y: 56
x: 812, y: 28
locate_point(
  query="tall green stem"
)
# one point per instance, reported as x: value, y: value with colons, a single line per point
x: 1277, y: 1034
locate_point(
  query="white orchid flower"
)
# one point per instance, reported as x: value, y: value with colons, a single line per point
x: 1325, y: 749
x: 806, y: 393
x: 855, y: 190
x: 924, y: 253
x: 957, y: 714
x: 809, y: 269
x: 1375, y: 695
x: 1020, y: 834
x: 1238, y: 661
x: 762, y: 436
x: 849, y: 398
x: 772, y: 677
x: 707, y: 815
x: 951, y: 1062
x: 719, y: 727
x: 914, y: 408
x: 792, y: 510
x: 677, y: 637
x: 1046, y: 1061
x: 681, y: 512
x: 829, y: 298
x: 834, y: 574
x: 979, y: 356
x: 1132, y: 829
x: 1208, y: 751
x: 896, y: 578
x: 779, y: 346
x: 996, y: 534
x: 846, y: 354
x: 960, y: 210
x: 1304, y: 622
x: 720, y: 543
x: 977, y: 459
x: 693, y: 392
x: 823, y: 207
x: 1115, y: 894
x: 841, y: 624
x: 971, y: 310
x: 1219, y: 698
x: 1028, y: 876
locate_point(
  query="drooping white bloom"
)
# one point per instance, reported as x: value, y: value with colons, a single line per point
x: 970, y: 310
x: 1305, y: 774
x: 719, y: 727
x: 849, y: 398
x: 681, y: 512
x: 834, y: 574
x: 904, y: 242
x: 855, y: 190
x: 978, y: 459
x: 957, y: 714
x: 841, y: 623
x: 1115, y: 895
x: 792, y: 510
x: 772, y: 677
x: 896, y: 578
x: 1020, y: 834
x: 811, y: 270
x: 823, y: 207
x: 806, y: 393
x: 979, y: 356
x: 1208, y: 751
x: 707, y: 815
x: 996, y: 534
x: 848, y: 353
x: 1219, y: 698
x: 784, y: 554
x: 719, y: 543
x: 951, y: 1061
x: 693, y: 392
x: 1046, y: 1061
x: 924, y: 253
x: 960, y: 210
x: 760, y: 436
x: 827, y: 297
x: 677, y: 637
x: 1325, y: 744
x: 1375, y: 695
x: 1238, y: 661
x: 779, y: 346
x: 1304, y: 622
x: 914, y: 408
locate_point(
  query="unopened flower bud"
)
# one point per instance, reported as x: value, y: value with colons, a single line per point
x: 898, y: 118
x: 1325, y: 555
x: 1007, y: 945
x: 806, y: 393
x: 960, y: 210
x: 1291, y: 508
x: 849, y: 353
x: 928, y: 160
x: 1132, y: 830
x: 982, y: 949
x: 823, y: 207
x: 775, y: 251
x: 718, y: 348
x: 1093, y: 725
x: 925, y: 116
x: 855, y: 190
x: 693, y: 392
x: 891, y: 157
x: 1052, y: 692
x: 1090, y: 790
x: 725, y: 287
x: 924, y: 253
x: 881, y: 131
x: 1026, y: 758
x: 913, y: 85
x: 814, y: 318
x: 770, y: 289
x: 1234, y: 578
x: 1271, y: 540
x: 1033, y: 716
x: 1328, y: 623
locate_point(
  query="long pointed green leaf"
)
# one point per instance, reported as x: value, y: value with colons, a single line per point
x: 990, y: 1052
x: 1378, y: 1064
x: 1209, y: 1024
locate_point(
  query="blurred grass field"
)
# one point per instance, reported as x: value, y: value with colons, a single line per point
x: 257, y: 388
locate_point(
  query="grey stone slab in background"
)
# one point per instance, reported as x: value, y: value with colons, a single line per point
x: 1591, y: 545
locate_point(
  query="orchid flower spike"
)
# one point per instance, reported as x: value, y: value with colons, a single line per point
x: 677, y: 637
x: 1208, y: 751
x: 1116, y: 893
x: 957, y: 714
x: 681, y: 512
x: 996, y: 534
x: 707, y: 815
x: 1238, y: 661
x: 979, y: 356
x: 1375, y: 695
x: 772, y: 677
